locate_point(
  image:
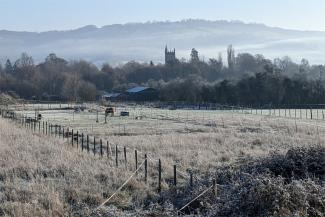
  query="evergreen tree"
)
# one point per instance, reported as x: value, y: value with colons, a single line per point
x: 231, y: 58
x: 194, y: 56
x: 8, y: 67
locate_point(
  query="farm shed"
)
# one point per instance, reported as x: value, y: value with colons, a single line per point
x: 111, y: 96
x: 141, y: 94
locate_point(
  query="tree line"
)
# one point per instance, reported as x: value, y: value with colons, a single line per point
x: 243, y: 79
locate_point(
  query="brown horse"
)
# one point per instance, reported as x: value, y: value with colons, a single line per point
x: 109, y: 110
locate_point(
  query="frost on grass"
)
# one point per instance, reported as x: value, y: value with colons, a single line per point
x: 44, y: 177
x: 280, y: 185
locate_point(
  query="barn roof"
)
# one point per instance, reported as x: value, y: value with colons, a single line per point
x: 111, y: 95
x: 137, y: 89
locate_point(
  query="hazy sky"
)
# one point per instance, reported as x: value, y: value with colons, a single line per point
x: 41, y: 15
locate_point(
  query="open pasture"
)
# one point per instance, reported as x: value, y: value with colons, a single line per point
x: 194, y: 139
x: 234, y: 148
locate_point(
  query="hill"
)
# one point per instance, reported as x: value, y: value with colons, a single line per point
x: 146, y: 41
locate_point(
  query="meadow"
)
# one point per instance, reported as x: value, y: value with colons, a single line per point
x: 206, y: 143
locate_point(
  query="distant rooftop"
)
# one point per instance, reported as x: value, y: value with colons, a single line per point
x: 111, y: 95
x: 137, y: 89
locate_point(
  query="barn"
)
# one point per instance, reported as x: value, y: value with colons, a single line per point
x: 141, y: 93
x: 111, y: 97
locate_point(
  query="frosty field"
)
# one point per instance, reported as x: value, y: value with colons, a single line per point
x: 215, y: 144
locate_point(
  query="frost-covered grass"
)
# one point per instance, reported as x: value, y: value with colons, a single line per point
x: 193, y: 138
x: 43, y: 177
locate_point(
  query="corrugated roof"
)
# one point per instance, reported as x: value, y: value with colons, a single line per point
x: 112, y: 95
x: 137, y: 89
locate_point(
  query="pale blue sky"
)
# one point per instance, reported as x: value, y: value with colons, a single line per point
x: 41, y: 15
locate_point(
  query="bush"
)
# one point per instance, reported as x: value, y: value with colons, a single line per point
x: 281, y: 185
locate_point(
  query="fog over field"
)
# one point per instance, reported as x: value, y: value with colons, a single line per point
x: 146, y: 41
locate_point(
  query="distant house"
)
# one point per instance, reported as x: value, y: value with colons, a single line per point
x: 111, y: 96
x: 134, y: 94
x: 141, y: 94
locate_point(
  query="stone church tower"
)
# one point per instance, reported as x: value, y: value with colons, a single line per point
x: 170, y: 56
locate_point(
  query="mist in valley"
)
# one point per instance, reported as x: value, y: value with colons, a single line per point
x: 145, y: 42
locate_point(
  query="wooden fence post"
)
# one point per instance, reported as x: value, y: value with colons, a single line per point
x: 125, y: 160
x: 77, y: 139
x: 94, y: 148
x: 82, y: 142
x: 107, y: 149
x: 175, y: 178
x: 46, y: 129
x: 159, y: 176
x: 72, y: 137
x: 116, y: 156
x: 88, y: 143
x: 63, y: 136
x: 145, y: 168
x: 311, y: 113
x: 101, y: 147
x: 136, y: 159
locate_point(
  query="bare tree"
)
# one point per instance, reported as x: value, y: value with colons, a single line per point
x: 71, y: 86
x: 24, y: 61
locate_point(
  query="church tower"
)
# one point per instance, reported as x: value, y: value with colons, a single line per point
x: 170, y: 56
